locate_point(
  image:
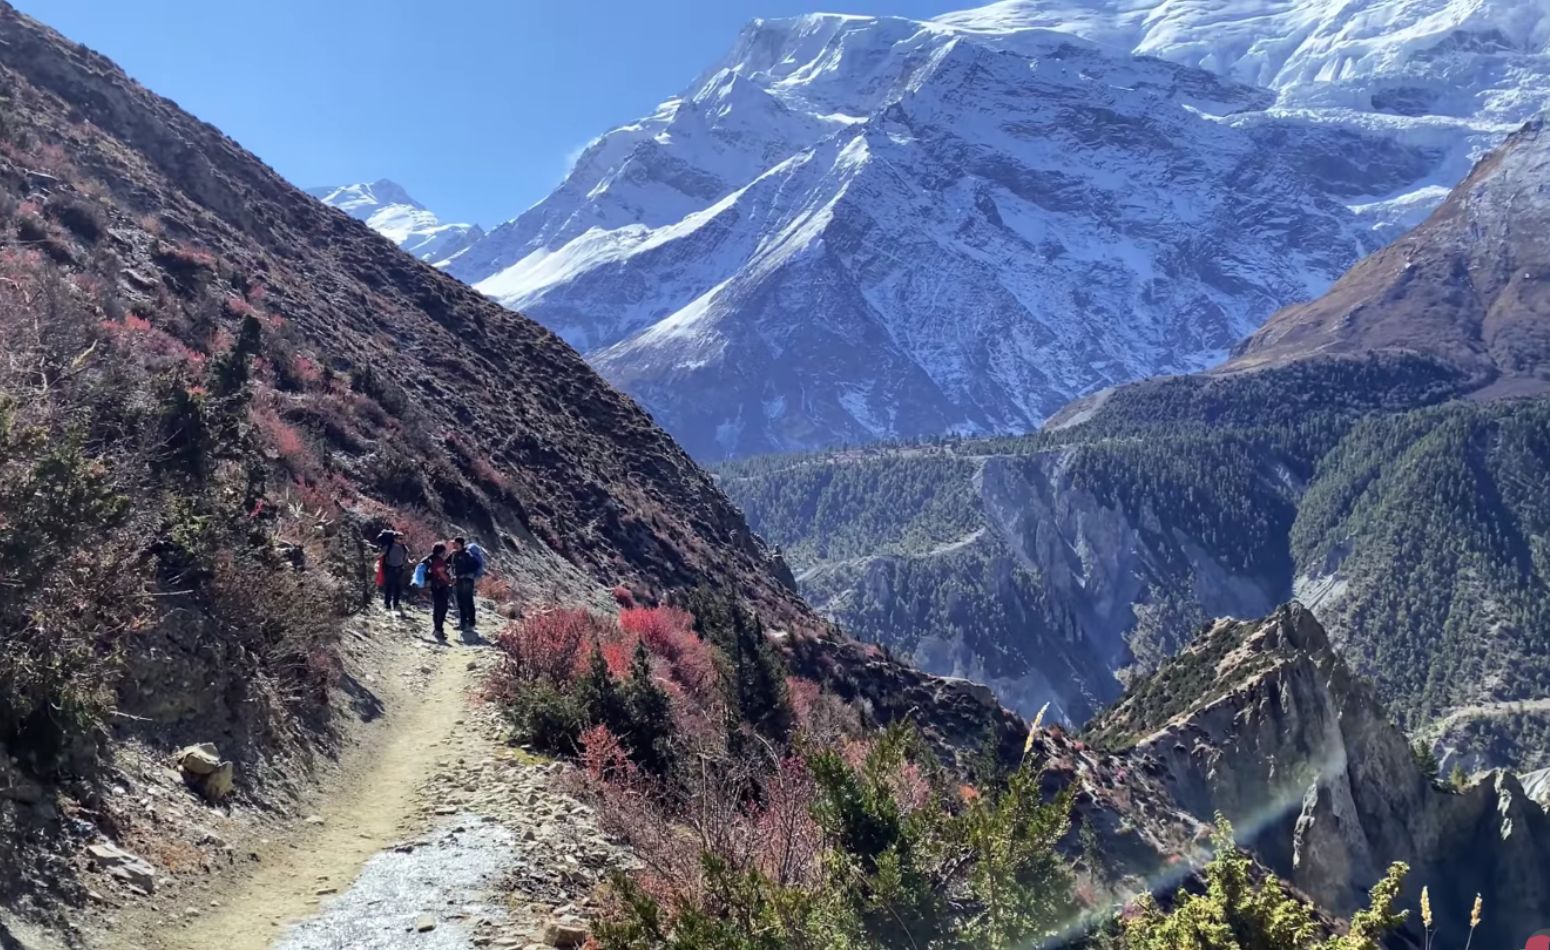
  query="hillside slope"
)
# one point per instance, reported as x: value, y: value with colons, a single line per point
x: 1471, y: 285
x: 587, y: 472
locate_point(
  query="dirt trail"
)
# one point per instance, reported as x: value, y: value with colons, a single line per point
x: 431, y: 833
x: 372, y: 811
x: 364, y: 804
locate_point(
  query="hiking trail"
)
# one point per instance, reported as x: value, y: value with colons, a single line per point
x: 432, y: 834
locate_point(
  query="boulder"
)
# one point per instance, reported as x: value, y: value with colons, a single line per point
x: 118, y: 863
x: 220, y: 783
x: 202, y: 759
x: 565, y: 933
x: 204, y: 771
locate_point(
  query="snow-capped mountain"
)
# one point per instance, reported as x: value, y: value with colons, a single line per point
x: 858, y: 228
x: 1433, y: 83
x: 388, y: 209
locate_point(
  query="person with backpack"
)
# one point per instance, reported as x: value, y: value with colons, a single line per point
x: 435, y: 573
x: 468, y: 562
x: 391, y: 565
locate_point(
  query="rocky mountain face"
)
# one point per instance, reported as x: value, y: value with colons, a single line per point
x: 1105, y: 191
x: 1471, y: 285
x: 1010, y: 568
x: 1263, y: 722
x: 387, y: 208
x: 1348, y: 475
x: 746, y: 260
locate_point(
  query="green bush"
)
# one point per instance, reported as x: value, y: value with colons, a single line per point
x: 1242, y: 910
x: 547, y: 717
x: 551, y: 716
x: 904, y: 864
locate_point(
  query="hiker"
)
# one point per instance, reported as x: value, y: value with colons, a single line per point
x: 467, y: 567
x: 438, y: 577
x: 395, y: 558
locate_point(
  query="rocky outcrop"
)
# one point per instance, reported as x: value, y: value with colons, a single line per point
x: 1277, y: 734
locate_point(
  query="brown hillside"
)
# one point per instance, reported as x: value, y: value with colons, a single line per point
x: 385, y: 388
x: 1471, y: 285
x: 458, y: 382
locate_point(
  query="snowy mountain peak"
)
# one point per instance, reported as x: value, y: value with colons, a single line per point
x: 856, y: 228
x: 389, y: 210
x: 1457, y: 54
x: 365, y: 197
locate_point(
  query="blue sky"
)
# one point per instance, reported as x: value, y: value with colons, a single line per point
x: 473, y: 105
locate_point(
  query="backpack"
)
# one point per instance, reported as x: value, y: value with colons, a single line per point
x: 419, y: 575
x: 480, y: 561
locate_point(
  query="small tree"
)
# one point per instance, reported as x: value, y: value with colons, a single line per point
x: 649, y: 712
x: 1458, y: 778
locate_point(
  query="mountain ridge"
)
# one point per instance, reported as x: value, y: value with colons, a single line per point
x: 387, y: 208
x: 742, y: 274
x: 699, y: 255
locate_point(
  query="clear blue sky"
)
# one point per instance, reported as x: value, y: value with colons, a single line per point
x: 473, y: 105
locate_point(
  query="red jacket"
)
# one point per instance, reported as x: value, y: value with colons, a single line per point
x: 438, y: 573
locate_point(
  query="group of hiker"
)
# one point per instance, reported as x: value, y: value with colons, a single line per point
x: 446, y: 574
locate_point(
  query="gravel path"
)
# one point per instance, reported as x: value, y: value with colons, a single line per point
x: 440, y: 835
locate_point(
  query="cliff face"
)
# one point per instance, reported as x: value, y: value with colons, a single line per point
x: 1019, y: 572
x: 1264, y: 723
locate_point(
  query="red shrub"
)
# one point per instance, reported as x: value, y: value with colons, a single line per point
x: 188, y: 257
x: 911, y: 788
x: 549, y: 645
x: 91, y: 285
x: 496, y: 588
x: 326, y: 496
x: 617, y: 654
x: 788, y: 841
x: 306, y: 369
x: 604, y: 757
x: 293, y: 449
x: 669, y: 633
x: 239, y: 308
x: 804, y: 697
x: 51, y: 157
